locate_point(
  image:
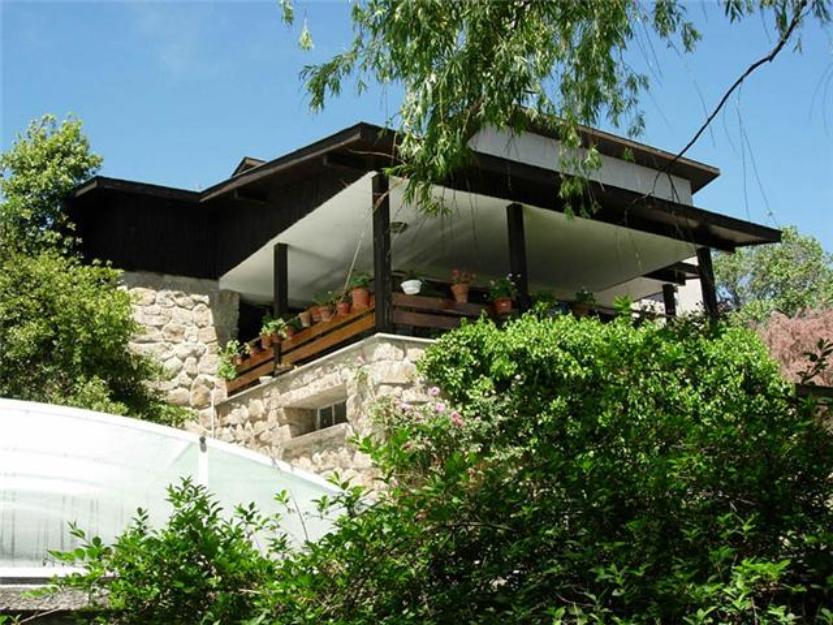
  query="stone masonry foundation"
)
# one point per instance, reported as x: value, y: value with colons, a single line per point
x: 183, y: 321
x: 277, y: 417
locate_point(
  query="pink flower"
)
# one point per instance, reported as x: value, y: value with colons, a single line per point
x: 439, y: 407
x: 433, y: 391
x: 457, y: 419
x: 405, y: 406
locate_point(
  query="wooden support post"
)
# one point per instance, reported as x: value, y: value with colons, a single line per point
x: 382, y: 254
x: 280, y: 285
x: 669, y: 299
x: 280, y: 291
x: 707, y: 285
x: 517, y: 253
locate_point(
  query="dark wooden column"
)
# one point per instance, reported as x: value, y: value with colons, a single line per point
x: 280, y: 284
x: 280, y: 292
x: 669, y: 299
x: 517, y: 253
x: 381, y: 254
x: 707, y: 285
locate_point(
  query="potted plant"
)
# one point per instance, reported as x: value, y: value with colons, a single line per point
x: 503, y: 291
x: 229, y: 357
x: 359, y: 289
x: 582, y: 301
x: 324, y: 304
x: 314, y: 313
x: 343, y: 305
x: 293, y: 325
x: 271, y: 331
x: 412, y: 284
x: 305, y: 318
x: 460, y: 282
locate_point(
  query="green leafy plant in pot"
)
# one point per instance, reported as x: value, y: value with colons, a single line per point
x: 272, y: 330
x: 343, y: 304
x: 229, y: 357
x: 503, y: 291
x: 359, y: 289
x: 582, y: 302
x: 324, y: 304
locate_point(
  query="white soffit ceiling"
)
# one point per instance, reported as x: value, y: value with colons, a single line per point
x: 564, y: 254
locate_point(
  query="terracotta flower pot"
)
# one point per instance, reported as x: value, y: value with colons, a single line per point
x: 237, y: 360
x: 360, y: 297
x: 343, y: 308
x: 266, y: 340
x: 315, y: 312
x: 290, y: 331
x: 460, y: 292
x: 503, y: 305
x: 326, y: 312
x: 581, y: 310
x: 305, y: 317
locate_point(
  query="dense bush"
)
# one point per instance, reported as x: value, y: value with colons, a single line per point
x: 571, y: 471
x: 65, y: 330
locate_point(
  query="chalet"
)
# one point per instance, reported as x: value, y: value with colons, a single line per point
x: 205, y: 267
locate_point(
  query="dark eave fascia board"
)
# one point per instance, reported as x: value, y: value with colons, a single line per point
x: 640, y: 212
x: 342, y: 139
x: 131, y: 186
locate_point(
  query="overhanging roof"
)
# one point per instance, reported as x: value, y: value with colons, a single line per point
x: 362, y: 148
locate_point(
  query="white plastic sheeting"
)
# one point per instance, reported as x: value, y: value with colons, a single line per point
x: 61, y: 464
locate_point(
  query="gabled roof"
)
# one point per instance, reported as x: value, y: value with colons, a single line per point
x: 245, y: 164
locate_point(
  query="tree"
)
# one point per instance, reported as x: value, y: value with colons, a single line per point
x: 512, y: 64
x: 568, y: 472
x: 788, y: 277
x: 65, y: 326
x: 38, y: 174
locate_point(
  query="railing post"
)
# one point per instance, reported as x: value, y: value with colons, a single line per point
x: 517, y: 253
x: 669, y: 299
x: 382, y: 253
x: 280, y: 292
x: 707, y: 284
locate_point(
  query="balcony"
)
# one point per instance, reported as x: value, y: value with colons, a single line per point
x: 411, y: 315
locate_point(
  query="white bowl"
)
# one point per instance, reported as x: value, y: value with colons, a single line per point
x: 411, y: 287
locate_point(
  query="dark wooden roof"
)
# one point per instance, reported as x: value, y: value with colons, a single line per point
x: 213, y: 230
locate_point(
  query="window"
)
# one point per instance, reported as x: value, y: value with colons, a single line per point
x: 328, y: 416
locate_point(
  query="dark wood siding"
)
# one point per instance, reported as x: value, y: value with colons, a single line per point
x: 244, y: 226
x: 147, y: 233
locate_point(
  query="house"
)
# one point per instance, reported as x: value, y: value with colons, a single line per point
x: 206, y: 266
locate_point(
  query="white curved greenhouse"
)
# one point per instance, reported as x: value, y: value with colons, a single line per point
x: 60, y: 464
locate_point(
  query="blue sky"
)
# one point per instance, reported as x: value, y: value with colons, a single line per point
x: 177, y: 92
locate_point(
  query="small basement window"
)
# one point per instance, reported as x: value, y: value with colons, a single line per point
x: 328, y: 416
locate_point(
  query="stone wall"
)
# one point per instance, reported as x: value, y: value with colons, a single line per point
x: 184, y: 320
x: 276, y: 417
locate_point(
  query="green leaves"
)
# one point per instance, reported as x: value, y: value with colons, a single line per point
x: 568, y: 471
x: 65, y: 326
x: 788, y: 277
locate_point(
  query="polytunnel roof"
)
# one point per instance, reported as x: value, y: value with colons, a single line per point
x: 60, y: 464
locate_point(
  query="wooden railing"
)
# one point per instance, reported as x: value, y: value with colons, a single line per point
x: 305, y: 345
x: 419, y: 311
x: 409, y: 312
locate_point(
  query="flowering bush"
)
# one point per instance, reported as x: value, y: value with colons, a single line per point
x: 790, y: 339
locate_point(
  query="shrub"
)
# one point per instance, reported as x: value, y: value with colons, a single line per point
x: 574, y: 471
x: 790, y: 339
